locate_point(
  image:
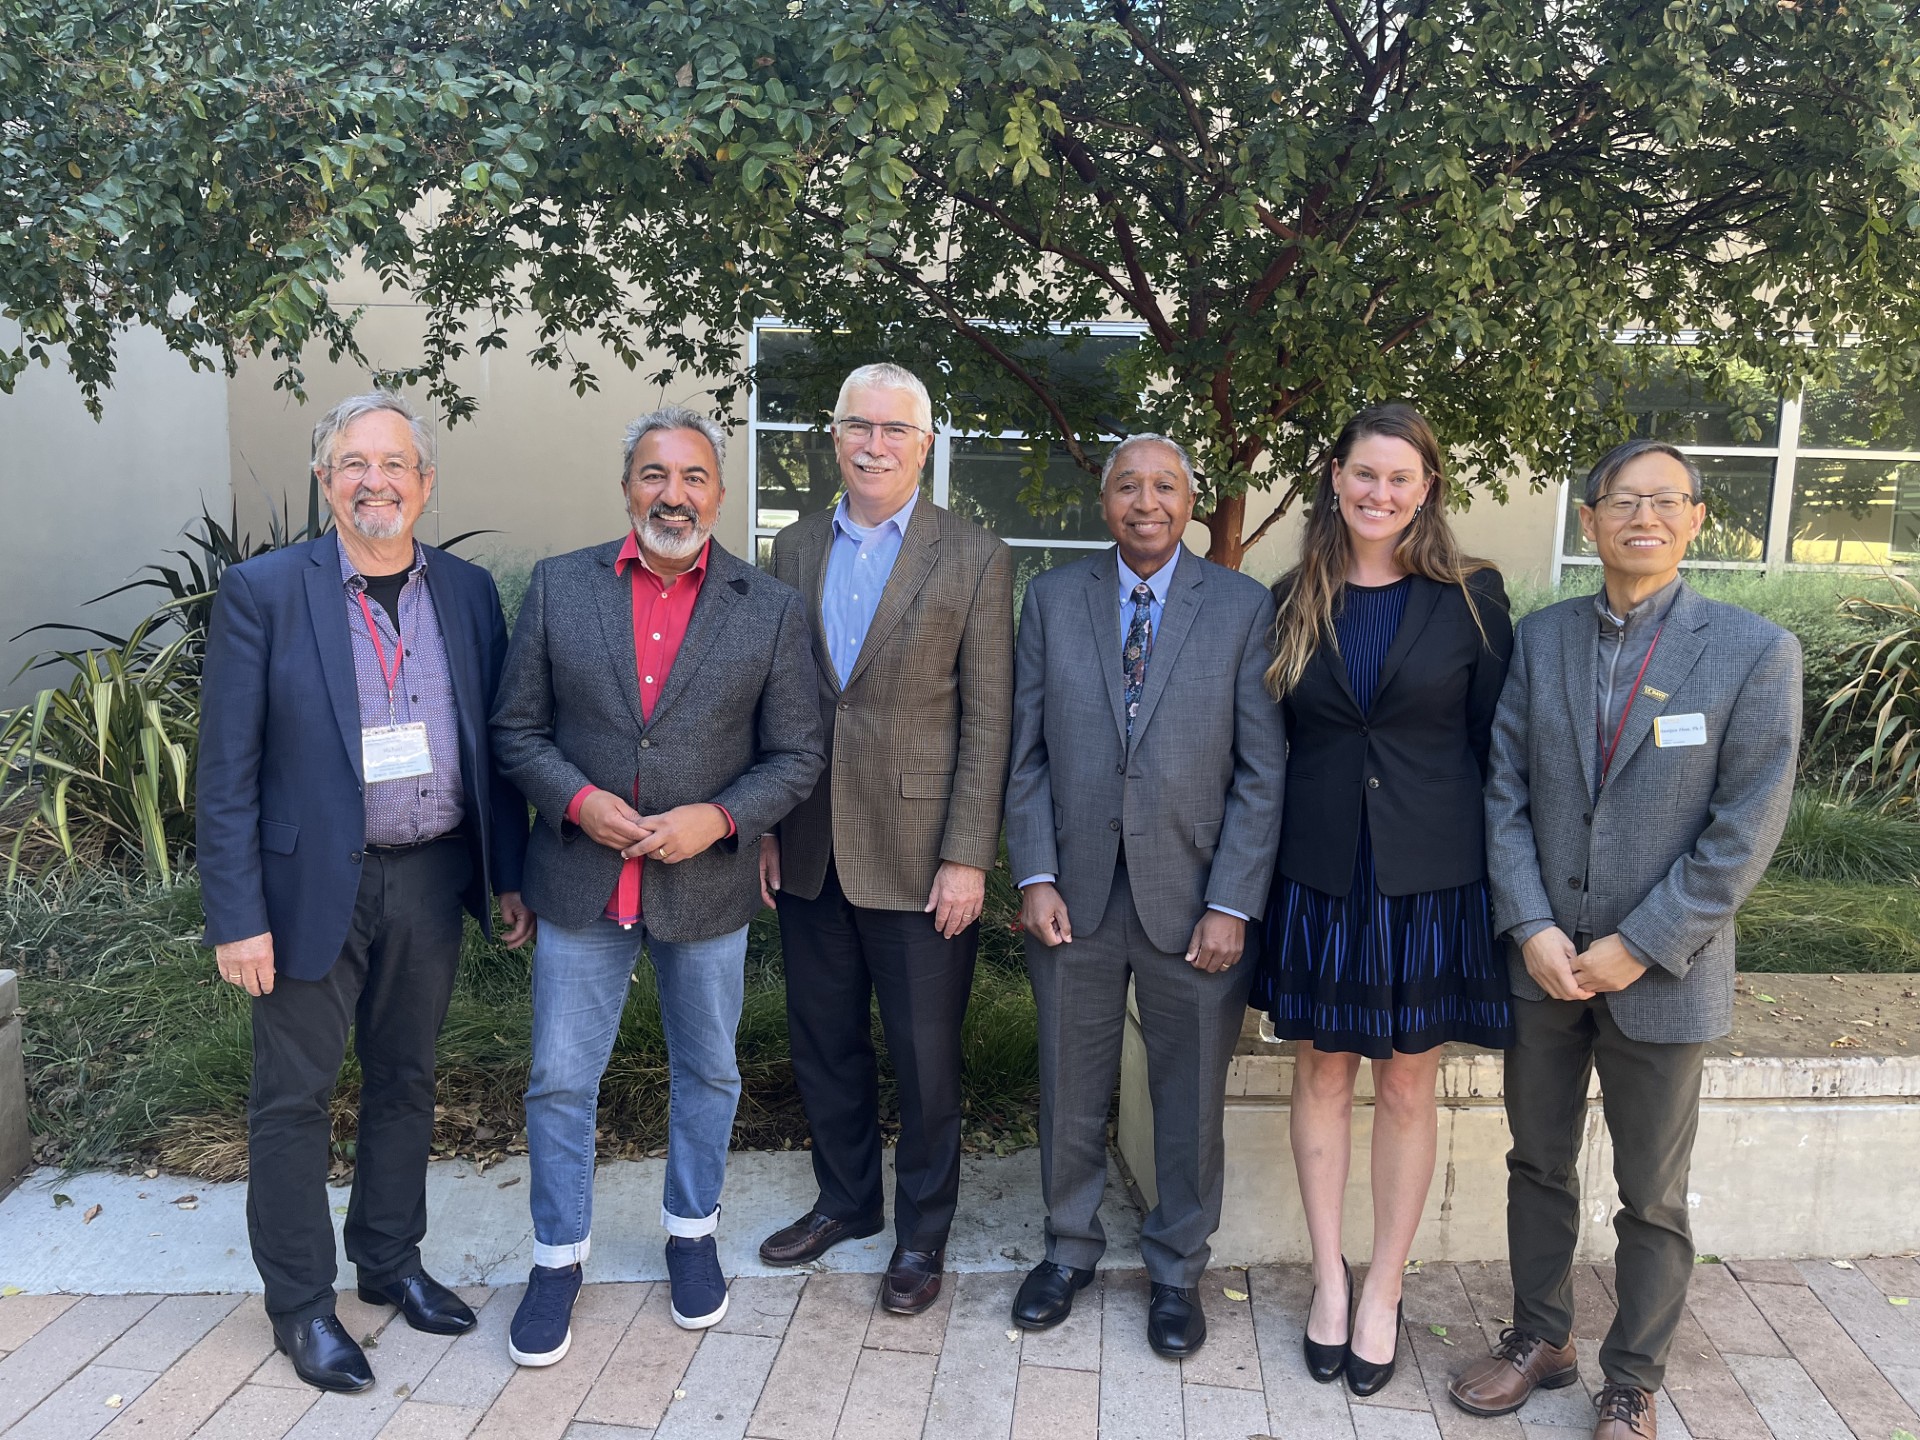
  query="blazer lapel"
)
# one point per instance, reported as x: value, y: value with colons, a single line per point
x: 327, y: 606
x: 812, y: 574
x: 1679, y: 649
x: 1103, y: 612
x: 1579, y: 655
x: 616, y: 626
x: 919, y: 548
x: 1176, y: 619
x: 469, y: 705
x: 711, y: 611
x: 1422, y: 596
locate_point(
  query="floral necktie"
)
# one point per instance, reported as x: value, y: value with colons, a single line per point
x: 1133, y: 658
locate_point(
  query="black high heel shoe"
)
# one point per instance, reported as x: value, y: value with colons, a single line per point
x: 1363, y: 1376
x: 1325, y: 1362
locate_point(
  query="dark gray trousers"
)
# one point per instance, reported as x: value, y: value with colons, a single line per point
x: 1190, y: 1021
x: 391, y: 985
x: 1651, y: 1097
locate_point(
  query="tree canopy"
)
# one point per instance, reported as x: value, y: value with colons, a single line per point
x: 1306, y: 205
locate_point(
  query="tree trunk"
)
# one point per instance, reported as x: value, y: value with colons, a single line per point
x: 1224, y: 526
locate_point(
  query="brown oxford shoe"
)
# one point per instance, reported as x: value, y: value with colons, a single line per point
x: 912, y: 1281
x: 811, y: 1236
x: 1626, y: 1413
x: 1521, y: 1364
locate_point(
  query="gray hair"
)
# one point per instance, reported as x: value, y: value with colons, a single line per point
x: 885, y: 376
x: 1609, y: 466
x: 1146, y: 438
x: 674, y: 417
x: 425, y: 452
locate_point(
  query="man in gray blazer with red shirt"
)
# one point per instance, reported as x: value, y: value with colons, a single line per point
x: 657, y: 707
x: 1643, y: 757
x: 1143, y: 816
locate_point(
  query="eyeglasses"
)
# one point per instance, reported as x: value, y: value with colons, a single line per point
x: 894, y: 432
x: 1667, y: 504
x: 356, y: 470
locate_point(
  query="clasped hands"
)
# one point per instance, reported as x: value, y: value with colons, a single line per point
x: 1216, y: 944
x: 1566, y: 974
x: 671, y: 836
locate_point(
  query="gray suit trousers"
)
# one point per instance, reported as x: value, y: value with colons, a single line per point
x: 1191, y: 1022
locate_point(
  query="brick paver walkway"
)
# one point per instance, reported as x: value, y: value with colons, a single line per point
x: 1798, y: 1351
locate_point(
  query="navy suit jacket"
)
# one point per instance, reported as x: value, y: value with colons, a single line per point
x: 281, y: 822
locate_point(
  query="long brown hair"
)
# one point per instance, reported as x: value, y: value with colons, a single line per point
x: 1310, y: 595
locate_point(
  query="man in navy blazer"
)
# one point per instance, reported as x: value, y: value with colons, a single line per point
x: 348, y: 809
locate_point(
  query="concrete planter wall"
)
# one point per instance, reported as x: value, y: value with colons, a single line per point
x: 1809, y: 1137
x: 16, y: 1148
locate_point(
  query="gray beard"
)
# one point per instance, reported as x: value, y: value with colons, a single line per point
x: 668, y: 546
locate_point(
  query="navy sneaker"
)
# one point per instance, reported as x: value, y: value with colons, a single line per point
x: 542, y: 1327
x: 699, y: 1289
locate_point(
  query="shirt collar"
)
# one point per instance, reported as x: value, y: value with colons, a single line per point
x: 630, y: 554
x: 1160, y: 584
x: 1651, y: 610
x: 354, y: 580
x: 845, y: 524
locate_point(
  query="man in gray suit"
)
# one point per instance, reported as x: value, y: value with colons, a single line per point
x: 1143, y: 815
x: 658, y: 709
x: 1643, y: 756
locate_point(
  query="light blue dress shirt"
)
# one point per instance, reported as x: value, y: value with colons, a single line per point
x: 858, y: 565
x: 1160, y: 583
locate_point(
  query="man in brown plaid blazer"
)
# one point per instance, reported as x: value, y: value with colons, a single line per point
x: 879, y: 875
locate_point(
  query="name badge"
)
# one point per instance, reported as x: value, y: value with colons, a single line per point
x: 395, y: 752
x: 1671, y: 732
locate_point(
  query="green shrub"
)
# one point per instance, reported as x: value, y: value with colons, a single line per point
x: 1874, y: 717
x: 1824, y: 927
x: 1834, y: 836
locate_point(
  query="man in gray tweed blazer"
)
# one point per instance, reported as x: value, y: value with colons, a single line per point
x: 658, y: 709
x: 1643, y: 757
x: 1143, y: 816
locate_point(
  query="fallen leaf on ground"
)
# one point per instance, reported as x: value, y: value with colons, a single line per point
x: 1439, y: 1330
x: 114, y: 1402
x: 506, y: 1184
x: 1841, y: 1264
x: 679, y: 1394
x: 93, y: 1214
x: 1845, y: 1042
x: 186, y: 1202
x: 1013, y: 1334
x: 60, y: 1200
x: 7, y: 1292
x: 1766, y: 1000
x: 1898, y: 1300
x: 151, y: 1174
x: 1706, y: 1259
x: 1233, y: 1294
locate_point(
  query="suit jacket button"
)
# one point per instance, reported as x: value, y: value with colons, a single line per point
x: 1120, y: 769
x: 1587, y: 818
x: 355, y: 857
x: 646, y: 744
x: 844, y: 707
x: 1113, y: 824
x: 1573, y: 882
x: 1373, y: 782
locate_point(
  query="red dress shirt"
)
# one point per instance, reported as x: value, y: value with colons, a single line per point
x: 661, y: 610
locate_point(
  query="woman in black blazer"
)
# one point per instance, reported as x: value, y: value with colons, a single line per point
x: 1390, y: 649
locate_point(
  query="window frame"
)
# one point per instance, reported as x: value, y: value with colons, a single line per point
x: 944, y: 435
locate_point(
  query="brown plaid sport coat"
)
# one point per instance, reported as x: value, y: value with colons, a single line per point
x: 917, y: 741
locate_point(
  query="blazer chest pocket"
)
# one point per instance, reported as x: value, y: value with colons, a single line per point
x: 277, y: 837
x: 1206, y: 835
x: 925, y: 785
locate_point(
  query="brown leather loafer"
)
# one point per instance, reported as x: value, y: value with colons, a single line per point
x: 1626, y: 1413
x: 1519, y: 1365
x: 912, y: 1281
x: 811, y: 1236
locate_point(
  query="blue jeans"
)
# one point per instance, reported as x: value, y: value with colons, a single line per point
x: 580, y: 980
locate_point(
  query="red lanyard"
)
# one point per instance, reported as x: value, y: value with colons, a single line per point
x: 392, y: 676
x: 1606, y: 761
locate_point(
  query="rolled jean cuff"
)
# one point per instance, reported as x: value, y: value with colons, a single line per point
x: 558, y: 1257
x: 686, y: 1229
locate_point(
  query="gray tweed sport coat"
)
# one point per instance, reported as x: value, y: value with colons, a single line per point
x: 736, y: 723
x: 1195, y: 797
x: 916, y: 740
x: 1679, y: 836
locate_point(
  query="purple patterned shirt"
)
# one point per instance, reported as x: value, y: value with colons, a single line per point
x: 402, y: 812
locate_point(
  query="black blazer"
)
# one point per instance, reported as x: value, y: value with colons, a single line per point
x: 281, y: 816
x: 1416, y: 762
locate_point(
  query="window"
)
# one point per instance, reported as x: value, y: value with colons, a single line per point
x: 978, y: 466
x: 1800, y: 481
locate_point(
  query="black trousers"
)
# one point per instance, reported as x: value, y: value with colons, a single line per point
x: 1650, y: 1094
x: 838, y: 957
x: 391, y: 985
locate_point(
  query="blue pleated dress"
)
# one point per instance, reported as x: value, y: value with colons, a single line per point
x: 1368, y: 973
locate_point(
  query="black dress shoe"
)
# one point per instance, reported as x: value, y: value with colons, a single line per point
x: 1325, y: 1362
x: 912, y: 1281
x: 424, y: 1302
x: 1046, y: 1295
x: 1176, y: 1326
x: 1363, y: 1376
x: 811, y: 1236
x: 323, y: 1354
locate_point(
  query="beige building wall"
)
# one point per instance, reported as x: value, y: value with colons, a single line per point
x: 88, y: 503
